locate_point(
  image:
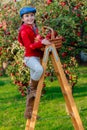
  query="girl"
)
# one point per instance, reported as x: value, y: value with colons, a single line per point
x: 28, y: 32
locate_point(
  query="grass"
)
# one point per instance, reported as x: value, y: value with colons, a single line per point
x: 52, y: 106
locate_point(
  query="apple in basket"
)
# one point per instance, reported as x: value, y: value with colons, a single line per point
x: 38, y: 38
x: 48, y: 36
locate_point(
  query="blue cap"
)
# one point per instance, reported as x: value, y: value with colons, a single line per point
x: 26, y: 10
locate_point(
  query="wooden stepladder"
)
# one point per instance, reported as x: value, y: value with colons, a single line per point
x: 50, y: 50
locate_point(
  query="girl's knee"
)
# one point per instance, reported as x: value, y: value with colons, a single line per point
x: 40, y: 70
x: 37, y: 74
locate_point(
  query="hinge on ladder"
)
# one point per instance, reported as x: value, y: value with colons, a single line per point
x: 50, y: 49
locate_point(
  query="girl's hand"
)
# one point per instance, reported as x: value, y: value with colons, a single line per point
x: 45, y: 42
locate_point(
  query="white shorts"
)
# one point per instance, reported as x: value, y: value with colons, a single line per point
x: 36, y: 68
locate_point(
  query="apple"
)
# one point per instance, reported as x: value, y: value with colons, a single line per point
x: 0, y: 49
x: 47, y: 73
x: 72, y: 43
x: 23, y: 94
x: 38, y: 38
x: 67, y: 71
x: 64, y: 54
x: 86, y: 18
x: 64, y: 65
x: 78, y: 15
x: 78, y: 34
x: 0, y: 25
x: 70, y: 77
x: 76, y: 8
x: 62, y: 3
x: 44, y: 85
x: 49, y: 2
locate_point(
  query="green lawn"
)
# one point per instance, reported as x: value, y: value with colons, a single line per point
x: 52, y: 106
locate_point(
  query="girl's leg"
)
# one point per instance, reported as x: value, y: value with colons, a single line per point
x: 36, y: 71
x: 36, y: 68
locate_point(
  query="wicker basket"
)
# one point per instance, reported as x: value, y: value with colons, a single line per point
x: 57, y: 41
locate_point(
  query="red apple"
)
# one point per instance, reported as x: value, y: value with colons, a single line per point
x: 49, y: 2
x: 7, y: 33
x: 76, y: 7
x: 64, y: 65
x: 78, y: 34
x: 86, y: 18
x: 62, y: 3
x: 44, y: 85
x: 38, y: 37
x: 64, y: 54
x: 48, y: 36
x: 67, y: 71
x: 78, y: 15
x: 70, y: 77
x: 63, y: 39
x: 72, y: 43
x: 0, y: 49
x: 0, y: 25
x: 23, y: 94
x: 0, y: 74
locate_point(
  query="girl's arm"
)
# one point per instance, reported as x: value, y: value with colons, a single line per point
x: 27, y: 43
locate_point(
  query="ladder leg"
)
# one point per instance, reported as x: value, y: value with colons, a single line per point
x: 27, y: 124
x: 30, y: 124
x: 36, y: 104
x: 65, y: 87
x: 38, y: 93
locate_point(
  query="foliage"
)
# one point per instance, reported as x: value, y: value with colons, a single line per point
x: 69, y: 19
x: 11, y: 52
x: 17, y: 69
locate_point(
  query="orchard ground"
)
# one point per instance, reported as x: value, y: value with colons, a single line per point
x: 52, y: 106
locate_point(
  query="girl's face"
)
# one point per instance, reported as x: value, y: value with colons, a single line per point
x: 28, y: 18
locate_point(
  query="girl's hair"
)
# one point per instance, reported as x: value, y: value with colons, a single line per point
x: 22, y: 23
x: 35, y: 23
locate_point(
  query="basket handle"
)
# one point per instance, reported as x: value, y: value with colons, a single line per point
x: 52, y: 31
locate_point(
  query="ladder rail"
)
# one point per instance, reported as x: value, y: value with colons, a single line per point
x: 65, y: 87
x: 38, y: 93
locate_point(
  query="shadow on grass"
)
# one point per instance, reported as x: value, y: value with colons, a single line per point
x: 2, y: 83
x: 52, y: 93
x: 18, y: 97
x: 82, y: 88
x: 84, y: 76
x: 11, y: 98
x: 55, y: 92
x: 4, y: 80
x: 81, y: 91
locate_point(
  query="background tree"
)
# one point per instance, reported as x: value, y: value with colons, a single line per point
x: 67, y: 18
